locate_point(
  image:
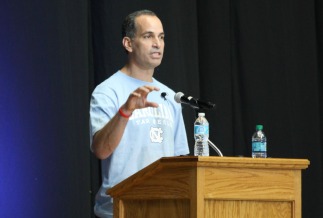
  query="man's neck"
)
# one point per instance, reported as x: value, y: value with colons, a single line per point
x: 141, y: 74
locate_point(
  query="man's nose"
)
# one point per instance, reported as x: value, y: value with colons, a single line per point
x: 157, y: 42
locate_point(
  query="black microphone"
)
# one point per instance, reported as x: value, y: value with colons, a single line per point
x: 193, y: 102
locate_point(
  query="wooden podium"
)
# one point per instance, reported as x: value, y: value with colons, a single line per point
x: 224, y: 187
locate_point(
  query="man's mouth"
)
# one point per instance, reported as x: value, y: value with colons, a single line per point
x: 156, y: 54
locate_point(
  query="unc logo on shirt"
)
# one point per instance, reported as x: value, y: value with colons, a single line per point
x: 156, y: 135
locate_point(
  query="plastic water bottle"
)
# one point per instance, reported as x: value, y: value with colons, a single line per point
x: 201, y: 135
x: 259, y: 143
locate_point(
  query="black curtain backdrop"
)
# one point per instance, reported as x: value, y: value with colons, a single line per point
x: 259, y: 61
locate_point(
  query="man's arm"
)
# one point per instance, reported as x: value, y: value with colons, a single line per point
x: 108, y: 138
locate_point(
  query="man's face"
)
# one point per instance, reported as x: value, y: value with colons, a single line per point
x: 148, y: 43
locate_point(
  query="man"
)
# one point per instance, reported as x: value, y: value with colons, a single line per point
x: 132, y: 122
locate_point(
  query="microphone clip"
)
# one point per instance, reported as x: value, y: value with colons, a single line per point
x: 163, y: 95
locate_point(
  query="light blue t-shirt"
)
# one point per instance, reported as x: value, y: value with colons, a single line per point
x: 151, y: 133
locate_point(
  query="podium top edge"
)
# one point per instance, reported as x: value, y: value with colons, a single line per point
x: 210, y: 160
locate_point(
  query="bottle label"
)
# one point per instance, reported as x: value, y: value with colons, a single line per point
x: 199, y: 129
x: 259, y: 146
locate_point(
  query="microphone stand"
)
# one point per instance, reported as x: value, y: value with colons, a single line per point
x: 214, y: 148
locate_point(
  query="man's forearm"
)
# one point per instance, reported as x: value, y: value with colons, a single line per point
x: 107, y: 139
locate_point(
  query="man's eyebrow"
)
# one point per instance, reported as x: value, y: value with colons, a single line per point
x: 148, y: 32
x: 151, y: 32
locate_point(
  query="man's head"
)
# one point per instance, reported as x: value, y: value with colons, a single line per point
x: 129, y: 23
x: 143, y: 39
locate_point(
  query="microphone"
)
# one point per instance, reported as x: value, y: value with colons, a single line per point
x: 163, y: 95
x: 193, y: 102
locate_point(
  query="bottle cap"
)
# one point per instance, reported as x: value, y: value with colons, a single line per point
x: 201, y: 114
x: 259, y: 127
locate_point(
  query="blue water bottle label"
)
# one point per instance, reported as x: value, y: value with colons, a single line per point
x: 199, y: 129
x: 259, y: 146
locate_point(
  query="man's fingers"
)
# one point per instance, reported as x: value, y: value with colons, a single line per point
x: 143, y: 91
x: 147, y: 89
x: 136, y: 94
x: 138, y: 98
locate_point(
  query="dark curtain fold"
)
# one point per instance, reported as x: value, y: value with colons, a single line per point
x: 259, y: 61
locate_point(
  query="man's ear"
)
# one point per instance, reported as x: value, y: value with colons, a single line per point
x: 126, y: 42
